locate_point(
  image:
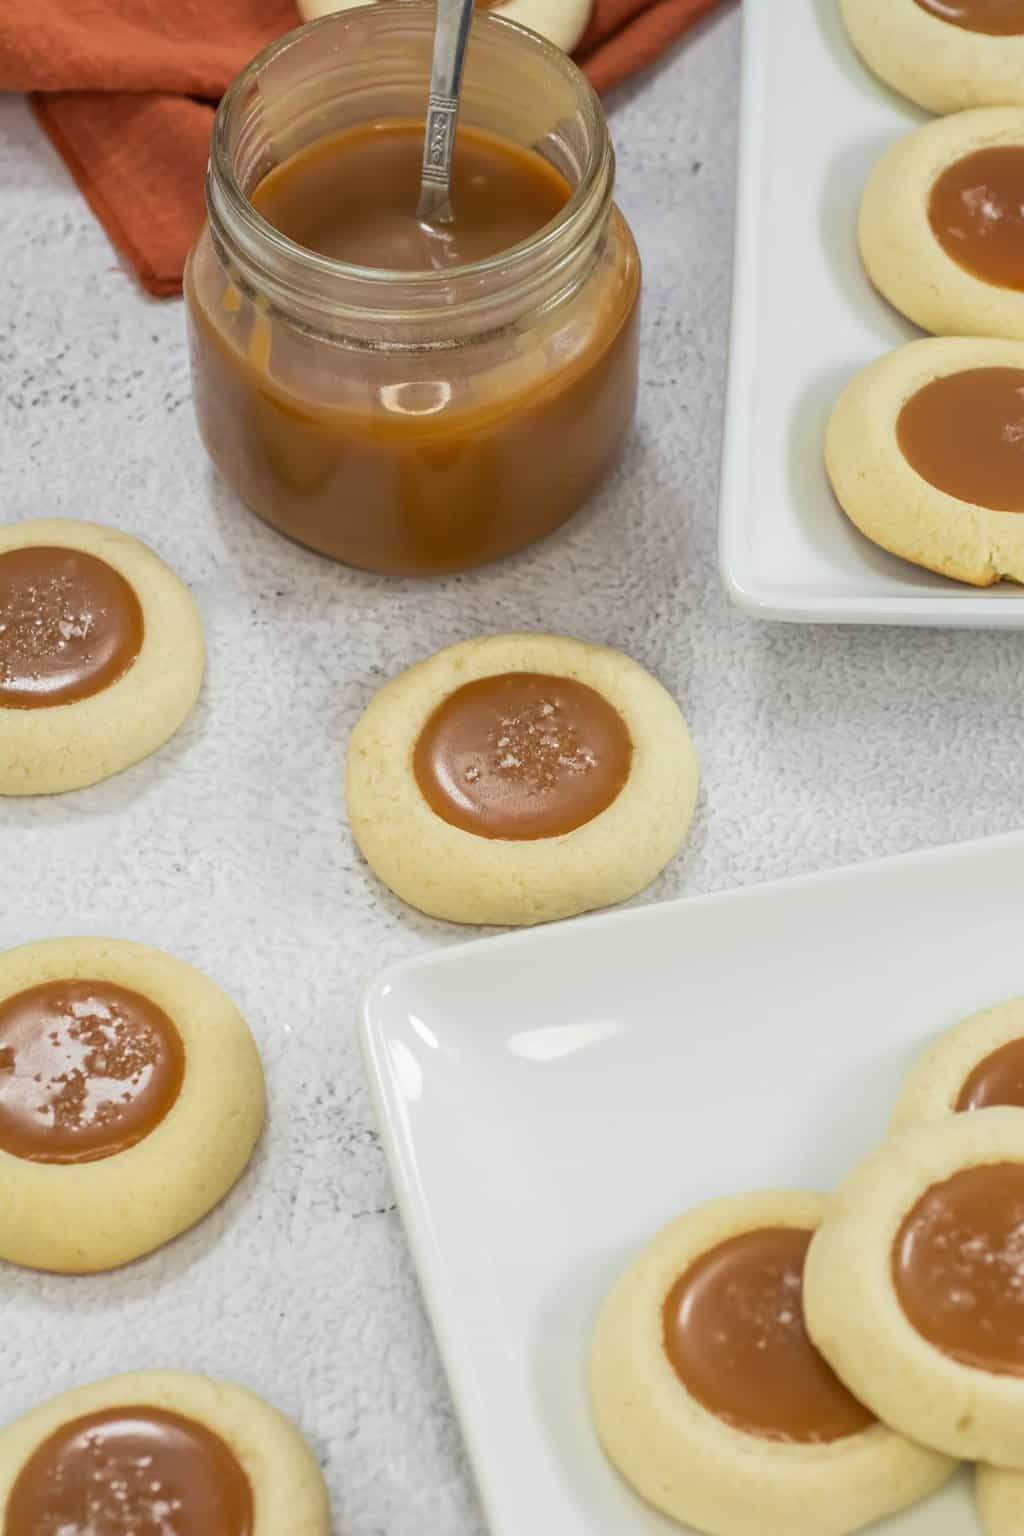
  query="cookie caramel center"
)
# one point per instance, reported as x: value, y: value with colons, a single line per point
x: 964, y: 434
x: 999, y: 18
x: 87, y: 1069
x: 70, y: 625
x: 134, y: 1471
x: 976, y: 211
x: 958, y: 1267
x: 997, y: 1079
x: 522, y: 755
x: 734, y: 1334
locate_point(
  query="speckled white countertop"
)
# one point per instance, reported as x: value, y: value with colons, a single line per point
x: 819, y: 747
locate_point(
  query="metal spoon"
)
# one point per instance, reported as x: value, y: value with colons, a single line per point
x: 451, y: 33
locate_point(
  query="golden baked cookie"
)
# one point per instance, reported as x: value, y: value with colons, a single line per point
x: 977, y: 1064
x: 710, y: 1399
x: 101, y: 654
x: 914, y: 1288
x: 562, y: 22
x: 942, y: 224
x: 944, y: 54
x: 999, y: 1497
x: 925, y: 451
x: 520, y: 778
x: 159, y: 1451
x: 131, y: 1096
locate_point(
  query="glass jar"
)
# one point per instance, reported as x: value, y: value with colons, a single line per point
x: 420, y: 422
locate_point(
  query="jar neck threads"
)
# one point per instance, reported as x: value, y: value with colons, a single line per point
x: 373, y: 63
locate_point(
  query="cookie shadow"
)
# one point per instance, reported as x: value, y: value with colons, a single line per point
x: 823, y: 523
x: 110, y: 797
x: 845, y: 178
x: 831, y: 1141
x: 854, y: 71
x: 108, y: 1292
x: 560, y: 1365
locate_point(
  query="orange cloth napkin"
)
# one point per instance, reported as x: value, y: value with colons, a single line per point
x: 625, y: 35
x: 126, y: 91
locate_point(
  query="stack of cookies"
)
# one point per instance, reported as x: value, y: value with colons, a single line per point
x: 784, y: 1361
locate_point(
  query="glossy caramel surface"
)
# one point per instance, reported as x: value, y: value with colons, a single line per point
x: 734, y: 1334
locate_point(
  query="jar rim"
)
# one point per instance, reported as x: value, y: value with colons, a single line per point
x: 577, y: 212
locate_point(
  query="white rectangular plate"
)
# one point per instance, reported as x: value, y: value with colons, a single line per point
x: 805, y: 320
x: 550, y: 1099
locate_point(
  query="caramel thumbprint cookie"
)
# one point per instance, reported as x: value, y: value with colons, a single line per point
x: 101, y: 654
x: 943, y: 54
x: 520, y: 778
x: 712, y: 1401
x: 978, y: 1064
x: 925, y: 451
x: 131, y: 1096
x: 562, y: 22
x: 942, y: 225
x: 159, y: 1452
x: 914, y: 1290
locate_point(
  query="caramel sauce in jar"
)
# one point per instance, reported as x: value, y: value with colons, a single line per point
x: 408, y: 399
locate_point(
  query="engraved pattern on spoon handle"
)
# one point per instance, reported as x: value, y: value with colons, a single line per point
x: 442, y: 113
x: 451, y: 34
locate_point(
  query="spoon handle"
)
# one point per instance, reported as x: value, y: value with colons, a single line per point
x: 451, y: 33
